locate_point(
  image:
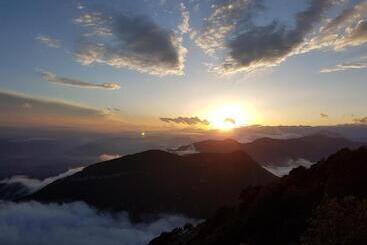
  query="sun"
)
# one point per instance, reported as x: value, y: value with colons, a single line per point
x: 228, y: 117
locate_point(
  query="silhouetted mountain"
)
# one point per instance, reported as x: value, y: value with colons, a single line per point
x: 157, y: 181
x: 278, y: 152
x: 325, y: 204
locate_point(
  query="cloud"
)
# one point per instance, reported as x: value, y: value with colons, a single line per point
x: 184, y: 27
x: 289, y: 165
x: 107, y: 156
x: 345, y: 30
x: 185, y: 120
x: 230, y: 120
x: 30, y: 111
x: 113, y: 109
x: 355, y: 37
x: 324, y: 115
x: 76, y: 224
x: 133, y: 42
x: 345, y: 67
x: 51, y: 77
x: 49, y: 41
x: 232, y: 36
x: 362, y: 120
x: 31, y: 185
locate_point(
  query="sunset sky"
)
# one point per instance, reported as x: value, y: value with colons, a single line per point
x: 190, y: 63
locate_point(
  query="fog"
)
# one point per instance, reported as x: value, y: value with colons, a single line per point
x: 33, y: 223
x: 291, y: 164
x: 32, y: 184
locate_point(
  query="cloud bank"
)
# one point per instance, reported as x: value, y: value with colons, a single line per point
x: 51, y: 77
x: 133, y: 42
x: 289, y: 165
x: 33, y: 223
x: 32, y: 185
x: 185, y: 120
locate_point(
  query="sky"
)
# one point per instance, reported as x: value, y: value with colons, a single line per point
x: 163, y: 64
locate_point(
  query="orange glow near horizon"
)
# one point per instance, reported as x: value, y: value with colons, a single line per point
x: 230, y: 116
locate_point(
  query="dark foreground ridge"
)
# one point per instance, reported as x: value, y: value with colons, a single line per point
x: 160, y: 182
x: 325, y: 204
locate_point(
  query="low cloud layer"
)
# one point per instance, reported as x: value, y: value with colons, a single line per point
x: 133, y: 42
x: 185, y: 120
x: 51, y: 77
x: 33, y: 223
x: 288, y: 166
x: 108, y: 156
x: 32, y: 185
x: 49, y: 41
x: 231, y: 33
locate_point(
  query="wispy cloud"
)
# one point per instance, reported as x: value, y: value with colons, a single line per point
x: 345, y: 67
x: 132, y: 42
x: 49, y: 41
x: 51, y: 77
x: 185, y: 120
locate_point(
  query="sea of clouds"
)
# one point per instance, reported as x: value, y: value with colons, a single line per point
x: 33, y: 223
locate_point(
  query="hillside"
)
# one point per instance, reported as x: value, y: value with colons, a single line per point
x: 157, y: 181
x: 325, y: 204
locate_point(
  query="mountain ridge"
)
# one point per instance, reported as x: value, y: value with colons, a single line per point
x: 156, y: 181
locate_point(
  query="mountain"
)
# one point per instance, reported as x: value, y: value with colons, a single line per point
x: 325, y: 204
x: 157, y: 181
x: 277, y: 152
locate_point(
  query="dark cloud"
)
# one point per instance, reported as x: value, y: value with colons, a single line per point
x: 362, y: 120
x: 324, y: 115
x: 268, y: 45
x: 51, y: 77
x: 230, y: 120
x: 76, y: 224
x: 133, y: 42
x: 231, y: 33
x: 186, y: 120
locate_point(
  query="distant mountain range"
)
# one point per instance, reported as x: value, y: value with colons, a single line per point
x: 325, y: 204
x: 160, y: 182
x: 276, y: 152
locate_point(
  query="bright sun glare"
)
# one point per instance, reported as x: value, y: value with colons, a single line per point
x: 228, y: 117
